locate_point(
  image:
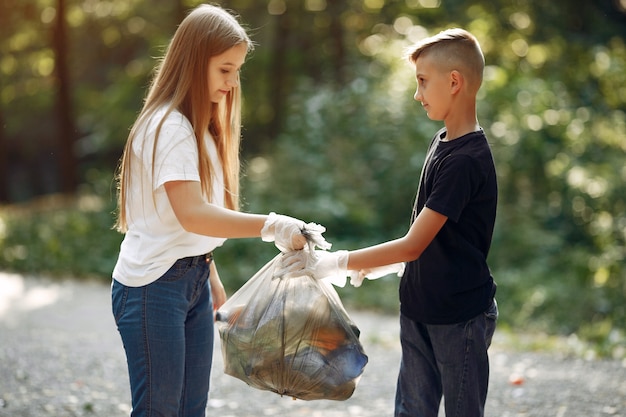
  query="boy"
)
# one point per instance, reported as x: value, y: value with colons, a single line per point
x: 447, y: 305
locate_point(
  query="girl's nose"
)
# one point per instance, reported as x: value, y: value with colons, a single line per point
x: 233, y: 82
x: 417, y: 96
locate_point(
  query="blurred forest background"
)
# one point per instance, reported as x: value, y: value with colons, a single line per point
x: 332, y: 135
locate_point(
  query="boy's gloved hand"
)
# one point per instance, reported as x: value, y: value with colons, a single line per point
x: 284, y: 231
x: 319, y: 264
x: 292, y: 264
x: 330, y: 264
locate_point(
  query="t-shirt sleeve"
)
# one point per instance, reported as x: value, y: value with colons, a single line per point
x: 456, y: 181
x: 176, y: 157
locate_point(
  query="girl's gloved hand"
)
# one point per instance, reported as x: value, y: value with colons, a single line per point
x: 284, y: 231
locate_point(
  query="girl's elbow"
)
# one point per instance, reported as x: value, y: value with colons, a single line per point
x: 186, y: 222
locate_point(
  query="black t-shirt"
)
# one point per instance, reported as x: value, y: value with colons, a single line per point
x: 451, y: 282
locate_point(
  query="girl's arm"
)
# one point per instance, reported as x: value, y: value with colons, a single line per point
x: 197, y: 216
x: 404, y: 249
x: 217, y: 288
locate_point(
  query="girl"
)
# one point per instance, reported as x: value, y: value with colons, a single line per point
x: 178, y: 199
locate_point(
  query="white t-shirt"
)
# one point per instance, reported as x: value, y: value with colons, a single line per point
x: 155, y: 239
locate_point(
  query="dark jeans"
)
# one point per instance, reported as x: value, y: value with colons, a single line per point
x: 445, y: 360
x: 167, y: 331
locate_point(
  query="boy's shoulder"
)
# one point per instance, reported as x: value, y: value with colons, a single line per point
x: 470, y: 150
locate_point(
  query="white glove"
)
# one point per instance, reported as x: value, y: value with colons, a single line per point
x: 284, y: 231
x: 356, y: 278
x: 293, y: 264
x: 322, y: 265
x: 331, y: 266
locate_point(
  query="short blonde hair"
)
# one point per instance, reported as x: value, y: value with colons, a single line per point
x: 453, y: 49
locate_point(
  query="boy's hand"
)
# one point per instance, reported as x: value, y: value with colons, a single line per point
x: 293, y: 264
x: 316, y: 264
x: 330, y: 264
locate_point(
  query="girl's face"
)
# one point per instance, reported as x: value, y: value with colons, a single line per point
x: 224, y: 71
x: 433, y: 88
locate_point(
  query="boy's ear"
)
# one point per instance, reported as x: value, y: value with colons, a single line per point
x: 456, y: 81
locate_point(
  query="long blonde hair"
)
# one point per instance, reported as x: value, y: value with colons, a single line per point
x: 181, y: 82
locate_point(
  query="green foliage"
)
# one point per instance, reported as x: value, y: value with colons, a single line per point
x: 344, y: 157
x: 59, y: 238
x: 60, y: 235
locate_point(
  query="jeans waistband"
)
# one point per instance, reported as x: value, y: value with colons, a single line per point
x: 207, y: 257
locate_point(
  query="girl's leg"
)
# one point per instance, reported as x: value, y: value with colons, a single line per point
x: 199, y: 352
x: 151, y: 321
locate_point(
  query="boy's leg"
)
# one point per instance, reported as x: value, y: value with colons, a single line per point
x: 461, y: 352
x: 419, y: 390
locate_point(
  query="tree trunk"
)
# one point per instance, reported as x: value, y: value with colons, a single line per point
x: 336, y: 8
x: 4, y: 161
x: 279, y: 78
x: 66, y: 129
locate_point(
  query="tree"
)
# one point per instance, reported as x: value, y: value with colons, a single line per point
x: 4, y: 162
x: 66, y: 133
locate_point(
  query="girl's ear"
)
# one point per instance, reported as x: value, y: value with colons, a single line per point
x: 456, y: 81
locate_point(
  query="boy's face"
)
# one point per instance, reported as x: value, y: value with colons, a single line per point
x: 433, y: 88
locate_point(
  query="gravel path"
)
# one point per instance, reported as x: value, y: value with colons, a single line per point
x: 60, y: 355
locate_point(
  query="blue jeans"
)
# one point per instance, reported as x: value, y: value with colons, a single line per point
x: 167, y: 331
x: 445, y: 360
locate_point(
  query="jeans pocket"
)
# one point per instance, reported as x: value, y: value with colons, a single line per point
x: 492, y: 312
x: 491, y: 316
x: 119, y: 295
x: 178, y: 270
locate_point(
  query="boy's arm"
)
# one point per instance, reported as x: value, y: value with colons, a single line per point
x: 404, y: 249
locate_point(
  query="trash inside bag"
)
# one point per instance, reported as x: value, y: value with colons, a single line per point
x: 291, y: 336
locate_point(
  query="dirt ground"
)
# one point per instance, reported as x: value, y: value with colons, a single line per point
x: 60, y: 355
